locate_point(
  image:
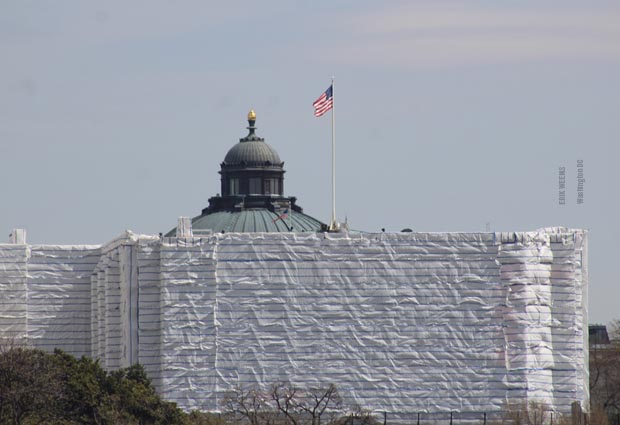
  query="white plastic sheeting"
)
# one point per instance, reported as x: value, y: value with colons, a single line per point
x: 125, y: 307
x: 59, y: 296
x: 148, y: 328
x: 188, y: 323
x: 544, y: 317
x: 13, y: 290
x: 45, y: 295
x: 402, y: 323
x: 106, y: 308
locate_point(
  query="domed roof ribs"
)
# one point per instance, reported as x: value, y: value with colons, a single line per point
x: 251, y: 152
x: 235, y: 222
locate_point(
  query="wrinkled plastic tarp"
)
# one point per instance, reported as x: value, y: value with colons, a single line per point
x: 13, y: 291
x: 399, y: 322
x: 402, y: 323
x: 59, y: 296
x: 188, y: 323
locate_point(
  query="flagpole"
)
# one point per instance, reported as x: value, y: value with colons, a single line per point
x: 334, y: 225
x: 290, y: 216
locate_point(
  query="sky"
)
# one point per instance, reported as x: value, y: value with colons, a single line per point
x: 450, y: 115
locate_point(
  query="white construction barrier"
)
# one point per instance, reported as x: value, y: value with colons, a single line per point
x: 401, y: 323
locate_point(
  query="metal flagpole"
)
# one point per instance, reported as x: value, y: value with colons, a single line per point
x: 290, y: 217
x: 334, y: 225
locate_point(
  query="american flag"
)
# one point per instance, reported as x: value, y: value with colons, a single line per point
x: 324, y: 103
x: 281, y: 216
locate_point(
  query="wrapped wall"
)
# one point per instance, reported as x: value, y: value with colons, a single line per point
x: 188, y: 323
x: 149, y: 324
x: 403, y: 323
x: 126, y: 312
x: 406, y: 322
x: 59, y: 297
x: 13, y: 291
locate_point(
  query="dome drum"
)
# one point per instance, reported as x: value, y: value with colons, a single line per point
x: 240, y: 203
x: 252, y: 182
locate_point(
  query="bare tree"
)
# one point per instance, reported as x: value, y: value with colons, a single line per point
x: 284, y: 397
x: 316, y: 401
x: 250, y: 405
x: 284, y: 404
x: 605, y: 372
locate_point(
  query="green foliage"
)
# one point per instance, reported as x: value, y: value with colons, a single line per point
x: 27, y: 383
x: 37, y: 387
x: 203, y: 418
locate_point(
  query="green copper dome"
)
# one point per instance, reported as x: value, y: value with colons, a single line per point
x: 255, y: 220
x: 252, y: 194
x: 252, y: 153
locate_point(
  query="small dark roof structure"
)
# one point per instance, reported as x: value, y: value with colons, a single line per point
x: 252, y: 196
x: 598, y: 334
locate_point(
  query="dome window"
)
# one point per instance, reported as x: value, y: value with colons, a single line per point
x: 255, y: 186
x: 233, y: 186
x: 271, y: 187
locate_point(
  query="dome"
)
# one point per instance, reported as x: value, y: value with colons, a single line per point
x: 252, y: 152
x: 254, y: 220
x: 252, y: 193
x: 253, y: 214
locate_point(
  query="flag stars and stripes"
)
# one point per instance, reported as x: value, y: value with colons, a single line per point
x: 281, y: 216
x: 325, y: 102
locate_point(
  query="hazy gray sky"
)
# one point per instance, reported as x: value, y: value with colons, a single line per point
x: 450, y: 115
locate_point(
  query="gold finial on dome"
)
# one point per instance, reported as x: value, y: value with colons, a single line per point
x: 251, y: 122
